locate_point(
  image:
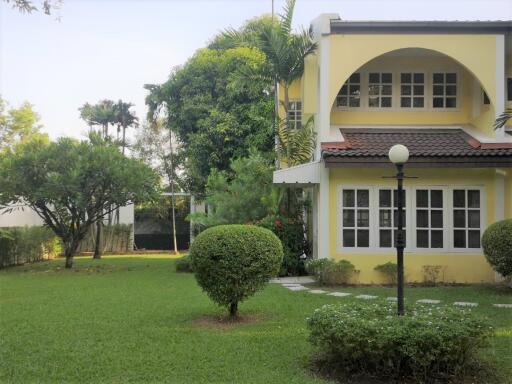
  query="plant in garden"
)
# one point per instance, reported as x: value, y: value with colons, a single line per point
x: 389, y: 270
x: 71, y: 185
x: 431, y: 274
x: 425, y: 344
x: 232, y: 262
x: 497, y: 245
x: 330, y: 272
x: 184, y: 264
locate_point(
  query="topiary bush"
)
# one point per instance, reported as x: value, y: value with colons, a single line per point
x: 184, y: 264
x: 232, y: 262
x: 330, y: 272
x: 389, y: 270
x: 497, y: 245
x: 369, y: 339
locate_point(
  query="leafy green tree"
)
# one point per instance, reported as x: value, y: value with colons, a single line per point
x: 102, y: 114
x: 215, y: 114
x: 18, y: 125
x: 124, y: 118
x: 71, y: 185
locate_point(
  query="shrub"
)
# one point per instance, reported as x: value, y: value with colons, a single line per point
x: 389, y: 270
x: 184, y: 264
x: 369, y: 339
x: 231, y: 262
x: 431, y: 274
x: 497, y: 245
x: 330, y: 272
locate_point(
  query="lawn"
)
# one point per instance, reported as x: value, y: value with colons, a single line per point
x: 133, y: 319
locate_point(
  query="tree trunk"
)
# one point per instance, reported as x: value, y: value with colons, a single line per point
x: 69, y: 251
x: 233, y: 309
x: 97, y: 245
x: 172, y: 197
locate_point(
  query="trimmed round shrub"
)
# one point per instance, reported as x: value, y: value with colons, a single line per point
x: 232, y: 262
x: 370, y: 339
x: 184, y: 264
x: 497, y: 245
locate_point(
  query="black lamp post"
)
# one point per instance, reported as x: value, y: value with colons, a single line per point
x: 398, y: 155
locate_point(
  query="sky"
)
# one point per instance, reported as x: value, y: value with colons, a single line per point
x: 108, y: 49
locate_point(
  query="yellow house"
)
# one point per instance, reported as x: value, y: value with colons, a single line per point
x: 435, y: 87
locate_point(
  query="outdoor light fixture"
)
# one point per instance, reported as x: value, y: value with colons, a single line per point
x: 398, y: 155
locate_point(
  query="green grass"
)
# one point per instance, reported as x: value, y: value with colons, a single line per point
x: 131, y: 320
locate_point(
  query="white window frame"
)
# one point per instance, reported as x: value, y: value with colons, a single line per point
x: 444, y: 95
x: 466, y: 209
x: 297, y: 114
x: 412, y: 95
x: 380, y: 85
x: 410, y: 214
x: 355, y: 208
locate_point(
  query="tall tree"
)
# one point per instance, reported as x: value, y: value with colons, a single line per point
x: 28, y: 6
x: 124, y: 118
x: 71, y: 185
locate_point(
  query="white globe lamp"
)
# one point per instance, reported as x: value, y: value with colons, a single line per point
x: 398, y: 154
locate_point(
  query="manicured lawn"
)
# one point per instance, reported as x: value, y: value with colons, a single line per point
x: 131, y: 319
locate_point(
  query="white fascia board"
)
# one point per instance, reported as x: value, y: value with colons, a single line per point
x: 304, y: 174
x: 321, y: 25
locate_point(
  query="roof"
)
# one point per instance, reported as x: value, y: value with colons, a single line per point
x: 413, y: 26
x: 451, y: 147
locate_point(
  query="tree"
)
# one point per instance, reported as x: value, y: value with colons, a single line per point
x: 71, y: 185
x: 102, y: 114
x: 18, y: 125
x: 215, y: 114
x: 27, y: 6
x: 124, y: 118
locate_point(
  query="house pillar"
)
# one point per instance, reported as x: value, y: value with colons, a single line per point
x: 323, y: 216
x: 499, y: 106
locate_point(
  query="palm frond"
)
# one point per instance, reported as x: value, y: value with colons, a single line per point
x: 296, y: 146
x: 287, y: 17
x: 502, y: 119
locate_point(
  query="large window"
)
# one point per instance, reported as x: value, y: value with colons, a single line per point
x: 429, y: 218
x: 356, y: 218
x: 350, y: 94
x: 295, y: 114
x: 412, y: 90
x: 466, y: 218
x: 380, y: 90
x: 388, y: 216
x: 444, y: 90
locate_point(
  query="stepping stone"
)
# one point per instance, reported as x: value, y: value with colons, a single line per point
x: 319, y: 291
x: 503, y: 305
x: 366, y: 297
x: 298, y: 288
x: 339, y: 294
x: 293, y: 280
x: 291, y: 285
x: 428, y: 301
x: 391, y: 298
x: 465, y: 304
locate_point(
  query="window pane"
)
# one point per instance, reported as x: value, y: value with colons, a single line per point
x: 509, y: 89
x: 395, y: 218
x: 438, y: 90
x: 436, y: 199
x: 373, y: 90
x: 436, y: 219
x: 438, y: 77
x: 395, y: 197
x: 385, y: 218
x: 385, y: 238
x: 419, y: 90
x: 405, y: 90
x: 355, y: 78
x: 386, y: 90
x: 374, y: 78
x: 422, y: 218
x: 348, y: 198
x: 451, y: 90
x: 459, y: 218
x: 422, y: 239
x: 405, y: 102
x: 349, y: 238
x: 363, y: 238
x: 341, y: 101
x: 355, y: 90
x: 373, y: 101
x: 459, y: 239
x: 348, y: 218
x: 386, y: 102
x: 363, y: 198
x: 405, y: 77
x: 474, y: 219
x: 385, y: 198
x: 459, y: 198
x: 363, y: 218
x: 473, y: 239
x: 438, y: 102
x: 418, y: 102
x: 451, y: 102
x: 436, y: 239
x: 473, y: 199
x: 354, y: 101
x: 387, y: 78
x: 343, y: 90
x: 419, y: 78
x: 451, y: 77
x: 422, y: 198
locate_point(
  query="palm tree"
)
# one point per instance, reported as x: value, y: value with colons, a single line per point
x: 503, y: 118
x: 124, y: 118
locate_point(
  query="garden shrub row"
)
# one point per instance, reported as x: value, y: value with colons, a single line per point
x: 20, y: 245
x: 330, y: 272
x: 369, y: 339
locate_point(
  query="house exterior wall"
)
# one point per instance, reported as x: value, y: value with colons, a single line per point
x: 458, y: 266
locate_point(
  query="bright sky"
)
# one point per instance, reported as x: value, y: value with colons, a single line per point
x: 111, y: 48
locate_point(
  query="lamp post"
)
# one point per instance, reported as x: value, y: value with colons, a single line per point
x: 398, y: 155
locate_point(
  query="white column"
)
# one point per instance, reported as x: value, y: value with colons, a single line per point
x: 499, y: 106
x: 323, y: 235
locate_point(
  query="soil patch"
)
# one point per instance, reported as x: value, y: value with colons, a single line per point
x: 226, y: 322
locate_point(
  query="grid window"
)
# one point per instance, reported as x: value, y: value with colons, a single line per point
x: 380, y: 90
x: 295, y: 114
x: 485, y: 98
x: 388, y: 217
x: 429, y: 218
x: 356, y: 218
x: 466, y: 218
x: 412, y: 90
x: 509, y: 89
x: 350, y: 93
x: 444, y: 90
